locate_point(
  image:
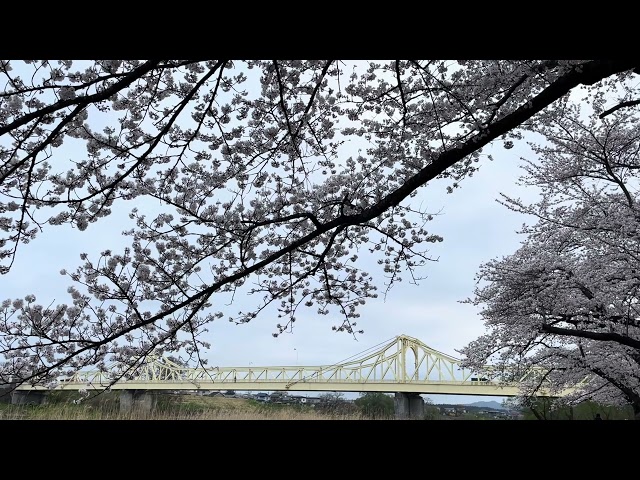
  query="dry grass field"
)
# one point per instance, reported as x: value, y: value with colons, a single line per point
x: 178, y: 407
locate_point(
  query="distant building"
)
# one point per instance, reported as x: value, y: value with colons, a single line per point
x: 453, y: 411
x: 261, y: 397
x: 215, y: 394
x: 304, y: 400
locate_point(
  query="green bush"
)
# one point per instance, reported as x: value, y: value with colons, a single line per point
x: 376, y: 405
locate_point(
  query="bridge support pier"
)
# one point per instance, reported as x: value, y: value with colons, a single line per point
x: 137, y: 401
x: 408, y: 406
x: 6, y: 393
x: 35, y: 397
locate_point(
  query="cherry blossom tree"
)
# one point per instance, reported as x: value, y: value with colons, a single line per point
x: 274, y: 178
x: 567, y: 302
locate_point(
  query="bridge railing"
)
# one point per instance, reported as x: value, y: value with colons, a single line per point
x: 291, y: 375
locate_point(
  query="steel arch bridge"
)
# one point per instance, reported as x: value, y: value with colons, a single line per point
x: 402, y: 365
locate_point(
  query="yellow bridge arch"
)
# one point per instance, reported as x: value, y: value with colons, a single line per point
x: 401, y: 365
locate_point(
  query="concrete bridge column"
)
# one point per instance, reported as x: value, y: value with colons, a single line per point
x: 408, y: 406
x: 5, y: 392
x: 36, y: 397
x: 139, y: 401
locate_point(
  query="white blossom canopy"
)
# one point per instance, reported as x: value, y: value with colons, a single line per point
x: 567, y: 300
x: 238, y: 171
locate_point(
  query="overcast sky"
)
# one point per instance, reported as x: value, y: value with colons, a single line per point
x: 475, y: 229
